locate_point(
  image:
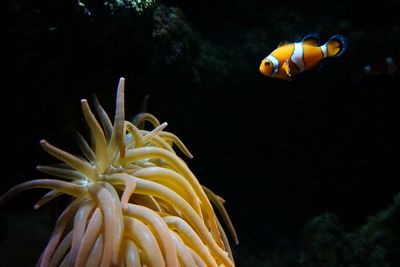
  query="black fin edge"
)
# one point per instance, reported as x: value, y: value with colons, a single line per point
x: 314, y: 36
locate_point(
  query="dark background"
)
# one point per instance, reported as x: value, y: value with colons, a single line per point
x: 279, y: 153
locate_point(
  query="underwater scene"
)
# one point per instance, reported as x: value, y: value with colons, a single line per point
x: 200, y: 133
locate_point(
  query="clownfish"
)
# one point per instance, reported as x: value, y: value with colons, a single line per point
x: 383, y: 66
x: 290, y: 59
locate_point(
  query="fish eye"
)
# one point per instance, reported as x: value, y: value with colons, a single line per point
x: 267, y: 63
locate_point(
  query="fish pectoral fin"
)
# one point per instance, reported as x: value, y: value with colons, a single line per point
x: 286, y: 67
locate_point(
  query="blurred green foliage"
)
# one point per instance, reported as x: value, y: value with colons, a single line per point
x: 138, y: 5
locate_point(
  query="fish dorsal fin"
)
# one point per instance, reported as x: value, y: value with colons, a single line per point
x: 283, y: 43
x: 311, y: 39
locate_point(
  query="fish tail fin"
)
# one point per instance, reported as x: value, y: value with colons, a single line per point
x: 336, y: 45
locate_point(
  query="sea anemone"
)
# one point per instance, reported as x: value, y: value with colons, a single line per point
x: 135, y: 201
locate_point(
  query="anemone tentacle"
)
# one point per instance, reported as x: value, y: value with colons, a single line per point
x: 135, y: 201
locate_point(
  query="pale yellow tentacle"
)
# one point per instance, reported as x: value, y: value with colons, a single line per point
x: 61, y: 251
x: 79, y: 228
x: 59, y: 230
x: 61, y: 186
x: 151, y: 188
x: 218, y: 202
x: 105, y: 201
x: 61, y: 172
x: 142, y: 117
x: 128, y: 181
x: 92, y: 233
x: 172, y: 180
x: 96, y: 254
x: 144, y: 238
x: 176, y: 163
x: 100, y: 144
x: 117, y: 142
x: 198, y: 260
x: 160, y: 229
x: 185, y: 257
x: 131, y: 251
x: 170, y: 137
x: 80, y: 165
x: 190, y: 238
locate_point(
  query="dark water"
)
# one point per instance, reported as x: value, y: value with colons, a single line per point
x: 280, y: 153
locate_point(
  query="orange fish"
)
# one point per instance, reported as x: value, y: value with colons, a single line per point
x: 290, y: 59
x: 383, y: 66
